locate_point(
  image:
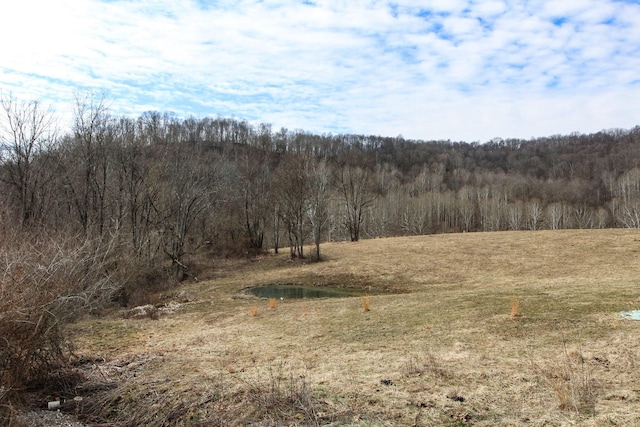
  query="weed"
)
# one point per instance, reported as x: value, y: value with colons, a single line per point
x: 254, y: 311
x: 287, y: 398
x: 365, y: 304
x: 428, y: 363
x: 412, y: 367
x: 272, y: 303
x: 515, y: 308
x: 571, y: 381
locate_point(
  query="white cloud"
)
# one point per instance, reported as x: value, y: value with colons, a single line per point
x: 440, y: 69
x: 488, y: 8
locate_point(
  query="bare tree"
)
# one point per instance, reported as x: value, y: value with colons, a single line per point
x: 515, y: 215
x: 137, y: 191
x: 27, y: 131
x: 629, y: 214
x: 466, y: 208
x: 554, y: 216
x: 497, y: 209
x: 483, y: 195
x: 318, y: 177
x: 534, y: 214
x: 86, y: 163
x: 254, y: 169
x: 192, y: 183
x: 293, y: 196
x: 583, y: 215
x: 415, y: 216
x: 355, y: 185
x: 603, y: 218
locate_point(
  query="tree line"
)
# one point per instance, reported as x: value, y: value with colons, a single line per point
x: 164, y: 187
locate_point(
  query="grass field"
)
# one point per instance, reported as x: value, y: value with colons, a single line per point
x: 483, y: 329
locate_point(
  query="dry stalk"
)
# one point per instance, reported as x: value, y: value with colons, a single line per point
x: 365, y: 304
x: 571, y: 381
x: 284, y: 398
x: 428, y: 363
x: 254, y: 311
x: 272, y: 303
x: 515, y: 308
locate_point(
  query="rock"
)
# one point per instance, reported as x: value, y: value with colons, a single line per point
x: 142, y: 312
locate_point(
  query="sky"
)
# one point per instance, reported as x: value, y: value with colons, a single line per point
x: 459, y: 70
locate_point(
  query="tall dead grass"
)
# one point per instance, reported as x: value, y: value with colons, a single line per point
x: 277, y: 396
x: 571, y: 380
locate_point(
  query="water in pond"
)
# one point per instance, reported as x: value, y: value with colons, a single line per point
x: 299, y: 292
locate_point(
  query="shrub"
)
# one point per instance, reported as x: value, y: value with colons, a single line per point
x: 45, y: 283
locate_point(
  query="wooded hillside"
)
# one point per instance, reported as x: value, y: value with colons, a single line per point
x: 164, y: 186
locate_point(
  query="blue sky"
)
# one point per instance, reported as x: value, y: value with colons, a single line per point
x: 466, y: 70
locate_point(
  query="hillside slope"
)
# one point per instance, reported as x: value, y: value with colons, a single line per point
x: 441, y: 344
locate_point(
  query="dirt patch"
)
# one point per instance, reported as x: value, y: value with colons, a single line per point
x: 48, y: 419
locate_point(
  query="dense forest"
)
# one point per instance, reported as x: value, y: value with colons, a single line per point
x: 115, y: 209
x: 164, y: 187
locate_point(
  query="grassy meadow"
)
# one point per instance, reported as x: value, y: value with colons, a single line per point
x: 473, y: 329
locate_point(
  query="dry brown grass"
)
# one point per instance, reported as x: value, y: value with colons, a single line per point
x: 441, y: 350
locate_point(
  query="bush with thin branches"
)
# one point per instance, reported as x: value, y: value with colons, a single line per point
x: 45, y: 282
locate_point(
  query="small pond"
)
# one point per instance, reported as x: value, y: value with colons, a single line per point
x: 300, y: 292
